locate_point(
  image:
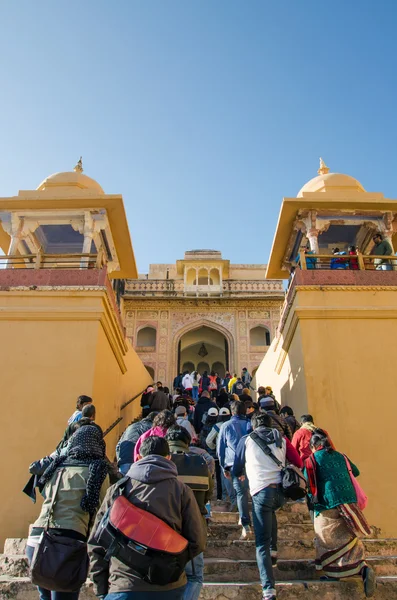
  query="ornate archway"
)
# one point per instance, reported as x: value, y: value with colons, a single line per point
x: 229, y: 351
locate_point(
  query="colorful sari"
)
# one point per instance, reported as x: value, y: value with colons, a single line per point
x: 339, y: 552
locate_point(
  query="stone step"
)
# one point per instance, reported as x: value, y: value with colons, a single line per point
x: 282, y: 517
x: 289, y: 549
x: 224, y: 570
x: 14, y: 588
x: 228, y: 531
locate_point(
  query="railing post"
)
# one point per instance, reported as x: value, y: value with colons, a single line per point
x: 361, y: 263
x: 303, y: 261
x: 37, y: 260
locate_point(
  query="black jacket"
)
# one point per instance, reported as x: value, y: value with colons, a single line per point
x: 126, y: 444
x: 159, y: 401
x: 202, y: 406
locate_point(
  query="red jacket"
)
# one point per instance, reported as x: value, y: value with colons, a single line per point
x: 301, y: 442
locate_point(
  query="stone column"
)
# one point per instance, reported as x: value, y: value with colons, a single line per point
x: 312, y: 236
x: 88, y: 232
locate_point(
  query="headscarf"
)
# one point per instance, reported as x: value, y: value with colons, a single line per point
x: 85, y: 446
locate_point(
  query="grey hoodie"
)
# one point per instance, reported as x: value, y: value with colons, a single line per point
x: 154, y: 487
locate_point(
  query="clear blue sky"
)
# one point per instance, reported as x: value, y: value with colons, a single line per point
x: 202, y: 113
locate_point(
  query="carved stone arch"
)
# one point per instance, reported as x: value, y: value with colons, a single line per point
x: 196, y: 324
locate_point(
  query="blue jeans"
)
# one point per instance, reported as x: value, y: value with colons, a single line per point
x: 194, y: 581
x: 176, y: 594
x: 241, y: 489
x: 228, y: 488
x: 48, y: 594
x: 195, y: 392
x: 264, y: 505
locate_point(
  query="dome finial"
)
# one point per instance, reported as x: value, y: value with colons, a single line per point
x: 79, y: 167
x: 323, y: 170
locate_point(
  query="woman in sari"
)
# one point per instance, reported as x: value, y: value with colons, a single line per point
x: 338, y: 522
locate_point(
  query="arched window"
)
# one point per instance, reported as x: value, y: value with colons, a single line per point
x: 146, y: 337
x: 260, y: 336
x: 150, y: 370
x: 219, y: 367
x: 188, y: 366
x: 203, y: 366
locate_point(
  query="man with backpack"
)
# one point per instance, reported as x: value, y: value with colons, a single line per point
x: 264, y: 478
x: 238, y: 387
x: 154, y: 488
x: 193, y: 471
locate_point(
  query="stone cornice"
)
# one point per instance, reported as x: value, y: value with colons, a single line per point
x: 213, y: 304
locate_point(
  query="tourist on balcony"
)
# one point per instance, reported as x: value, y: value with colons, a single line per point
x: 229, y: 437
x: 338, y: 263
x: 264, y: 478
x: 353, y: 263
x: 161, y: 422
x: 79, y: 480
x: 302, y: 437
x: 195, y: 384
x: 173, y: 502
x: 338, y: 522
x: 289, y: 416
x: 126, y: 444
x: 382, y: 248
x: 203, y: 405
x: 187, y: 382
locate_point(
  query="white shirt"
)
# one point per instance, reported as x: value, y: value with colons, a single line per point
x: 187, y: 381
x: 261, y: 469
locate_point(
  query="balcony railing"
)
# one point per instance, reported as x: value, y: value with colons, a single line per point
x: 353, y: 262
x: 203, y: 289
x: 51, y: 261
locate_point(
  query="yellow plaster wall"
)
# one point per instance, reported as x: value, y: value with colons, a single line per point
x: 340, y: 367
x: 53, y: 348
x: 111, y: 388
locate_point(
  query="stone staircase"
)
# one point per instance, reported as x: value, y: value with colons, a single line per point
x: 230, y: 566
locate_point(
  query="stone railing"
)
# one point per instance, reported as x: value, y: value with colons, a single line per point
x: 173, y: 287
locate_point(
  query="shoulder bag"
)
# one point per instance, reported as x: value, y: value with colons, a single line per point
x: 362, y: 498
x: 292, y: 479
x: 59, y: 563
x: 149, y: 547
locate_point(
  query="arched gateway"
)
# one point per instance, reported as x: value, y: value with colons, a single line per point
x: 204, y: 344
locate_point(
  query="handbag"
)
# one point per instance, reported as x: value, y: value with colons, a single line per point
x: 59, y: 563
x: 362, y: 498
x: 151, y: 549
x: 292, y: 480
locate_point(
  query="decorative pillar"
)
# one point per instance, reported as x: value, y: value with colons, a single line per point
x: 312, y: 236
x: 88, y: 232
x: 387, y: 227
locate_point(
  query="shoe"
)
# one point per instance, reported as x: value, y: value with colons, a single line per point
x: 273, y: 555
x: 233, y: 508
x: 369, y: 580
x: 246, y: 533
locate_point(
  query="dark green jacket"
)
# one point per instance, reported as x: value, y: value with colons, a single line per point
x: 334, y: 486
x: 383, y: 249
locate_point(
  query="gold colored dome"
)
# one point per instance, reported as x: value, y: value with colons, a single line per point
x: 330, y: 182
x: 70, y: 181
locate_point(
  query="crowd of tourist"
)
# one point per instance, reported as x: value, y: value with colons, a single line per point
x: 141, y: 520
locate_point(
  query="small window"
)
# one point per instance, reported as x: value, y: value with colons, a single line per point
x: 260, y: 336
x: 146, y: 337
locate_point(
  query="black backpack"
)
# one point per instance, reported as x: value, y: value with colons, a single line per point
x: 292, y: 480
